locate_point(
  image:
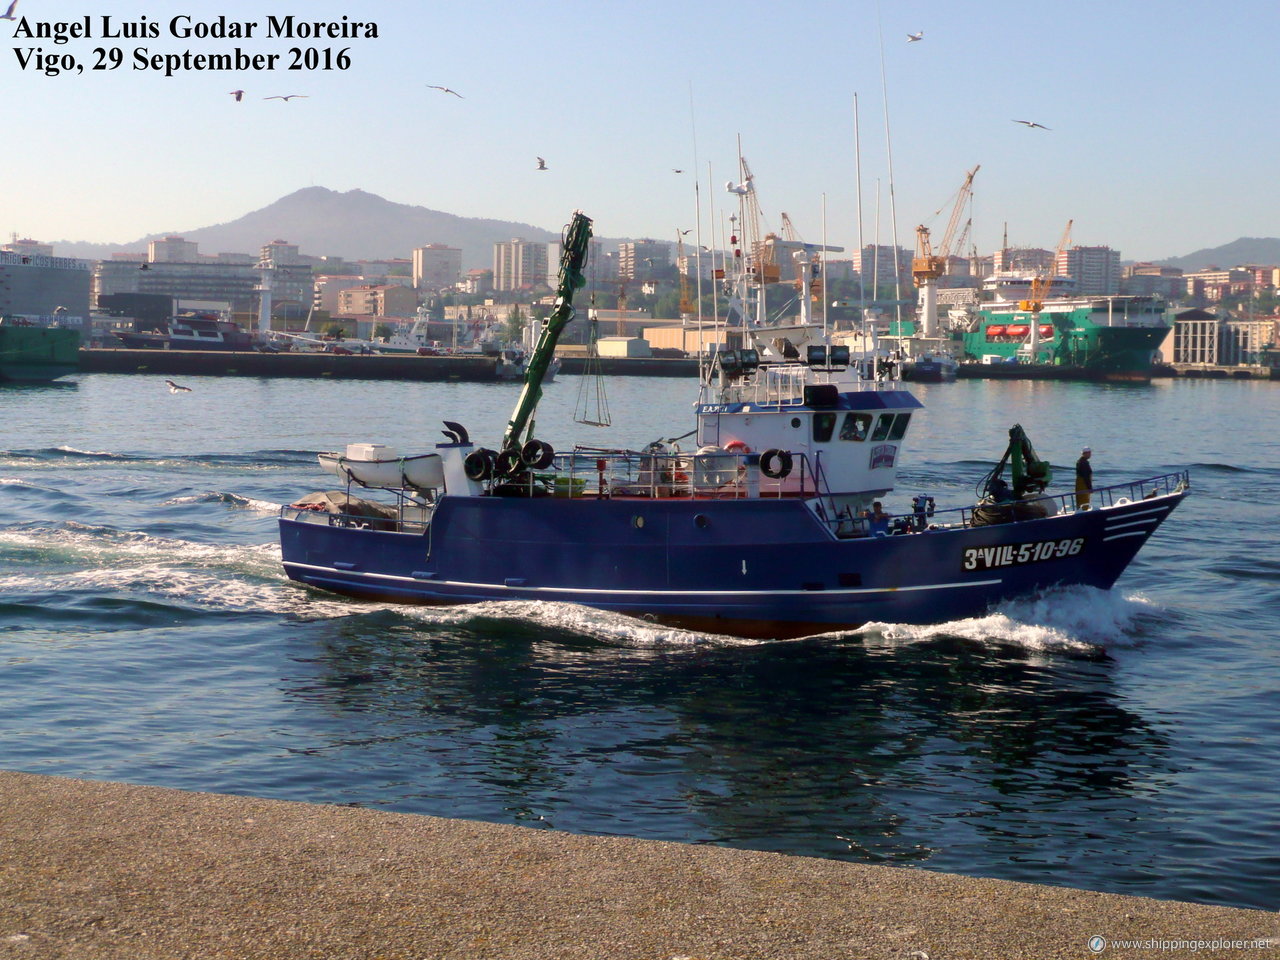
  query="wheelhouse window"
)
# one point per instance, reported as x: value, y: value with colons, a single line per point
x: 824, y: 425
x: 883, y: 426
x: 899, y: 428
x: 855, y: 426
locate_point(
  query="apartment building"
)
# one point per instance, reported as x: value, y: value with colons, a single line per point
x: 381, y: 300
x: 437, y: 266
x: 519, y: 264
x: 638, y: 259
x: 1096, y: 270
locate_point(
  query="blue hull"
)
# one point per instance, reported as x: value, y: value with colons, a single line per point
x: 757, y: 568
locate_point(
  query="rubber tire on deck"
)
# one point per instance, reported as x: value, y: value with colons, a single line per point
x: 479, y: 464
x: 783, y: 467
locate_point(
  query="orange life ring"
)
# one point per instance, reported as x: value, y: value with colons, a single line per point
x: 737, y: 446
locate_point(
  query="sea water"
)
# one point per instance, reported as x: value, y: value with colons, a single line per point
x: 1123, y: 741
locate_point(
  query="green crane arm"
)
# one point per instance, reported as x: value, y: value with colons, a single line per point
x: 1030, y: 474
x: 573, y: 260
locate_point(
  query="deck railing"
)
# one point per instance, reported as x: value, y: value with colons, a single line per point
x: 601, y: 474
x: 922, y: 520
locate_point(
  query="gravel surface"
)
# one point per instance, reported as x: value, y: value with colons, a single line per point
x: 93, y: 870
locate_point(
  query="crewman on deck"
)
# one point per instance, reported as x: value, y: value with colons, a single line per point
x: 1084, y: 479
x: 877, y: 520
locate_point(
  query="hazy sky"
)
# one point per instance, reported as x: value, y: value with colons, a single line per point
x: 1162, y: 117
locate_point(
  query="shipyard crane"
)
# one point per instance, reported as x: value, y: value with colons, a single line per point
x: 622, y: 305
x: 789, y: 231
x: 810, y: 281
x: 1040, y: 285
x: 927, y: 265
x: 759, y: 254
x: 682, y: 269
x: 1043, y: 280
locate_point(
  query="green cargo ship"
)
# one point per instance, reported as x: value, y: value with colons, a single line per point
x: 1108, y: 338
x: 31, y: 353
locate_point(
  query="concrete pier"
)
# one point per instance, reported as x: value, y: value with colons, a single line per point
x: 99, y: 871
x: 353, y: 367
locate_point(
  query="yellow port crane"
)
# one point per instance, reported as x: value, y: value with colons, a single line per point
x: 1040, y: 286
x: 1042, y: 281
x: 927, y: 266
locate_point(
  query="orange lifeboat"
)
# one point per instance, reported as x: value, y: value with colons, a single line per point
x: 995, y: 330
x: 1046, y: 330
x: 1017, y: 330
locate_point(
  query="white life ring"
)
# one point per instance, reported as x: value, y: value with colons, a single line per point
x: 1121, y: 501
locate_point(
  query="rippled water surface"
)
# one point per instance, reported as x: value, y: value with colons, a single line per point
x: 1123, y: 741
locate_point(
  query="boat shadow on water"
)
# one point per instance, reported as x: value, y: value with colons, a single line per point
x: 899, y: 749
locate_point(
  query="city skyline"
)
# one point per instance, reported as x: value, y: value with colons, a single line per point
x: 1150, y: 148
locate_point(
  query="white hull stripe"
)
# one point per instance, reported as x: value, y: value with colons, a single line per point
x: 1121, y: 536
x: 1162, y: 508
x: 1149, y: 522
x: 590, y: 591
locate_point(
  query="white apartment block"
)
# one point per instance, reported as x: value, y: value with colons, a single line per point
x: 519, y: 264
x: 437, y: 266
x: 1096, y: 270
x: 279, y: 253
x: 173, y: 250
x: 638, y: 259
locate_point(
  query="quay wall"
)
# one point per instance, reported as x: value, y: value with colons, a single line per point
x: 114, y: 871
x: 475, y: 368
x: 354, y: 367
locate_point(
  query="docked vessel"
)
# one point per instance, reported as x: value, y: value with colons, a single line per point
x: 930, y: 367
x: 1105, y: 338
x: 33, y: 352
x: 768, y: 527
x: 192, y: 331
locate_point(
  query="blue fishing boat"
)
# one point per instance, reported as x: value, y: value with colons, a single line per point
x: 766, y: 525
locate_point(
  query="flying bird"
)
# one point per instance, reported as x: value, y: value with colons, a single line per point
x: 235, y: 93
x: 542, y: 164
x: 432, y: 86
x: 741, y: 189
x: 177, y: 388
x: 8, y: 14
x: 1032, y: 123
x: 685, y: 233
x: 674, y: 170
x: 913, y: 37
x: 287, y: 97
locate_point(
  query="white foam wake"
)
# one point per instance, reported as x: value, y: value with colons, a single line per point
x: 1066, y: 619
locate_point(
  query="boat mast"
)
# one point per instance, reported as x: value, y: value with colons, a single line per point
x: 573, y: 260
x: 862, y: 275
x: 893, y: 202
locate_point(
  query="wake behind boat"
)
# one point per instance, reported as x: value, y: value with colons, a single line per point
x: 768, y: 527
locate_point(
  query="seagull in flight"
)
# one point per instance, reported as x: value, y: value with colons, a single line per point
x: 1032, y: 124
x: 542, y: 164
x: 913, y: 37
x: 177, y: 388
x: 8, y: 14
x: 432, y: 86
x: 673, y: 169
x: 287, y: 97
x: 235, y: 93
